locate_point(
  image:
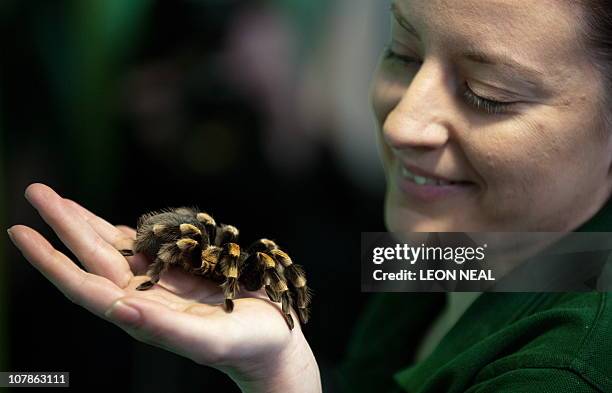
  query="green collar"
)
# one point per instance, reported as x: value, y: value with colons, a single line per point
x: 600, y: 222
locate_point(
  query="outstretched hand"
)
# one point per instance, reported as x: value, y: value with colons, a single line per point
x: 183, y: 313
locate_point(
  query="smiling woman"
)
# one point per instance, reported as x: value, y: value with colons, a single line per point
x: 493, y: 116
x: 477, y: 105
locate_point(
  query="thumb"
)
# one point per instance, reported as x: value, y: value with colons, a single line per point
x: 157, y: 324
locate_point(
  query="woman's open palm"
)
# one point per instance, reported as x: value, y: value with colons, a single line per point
x: 182, y: 313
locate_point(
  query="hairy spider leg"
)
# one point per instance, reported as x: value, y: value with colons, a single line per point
x: 153, y: 272
x: 226, y: 234
x: 296, y: 278
x: 228, y: 264
x: 261, y: 245
x: 250, y: 272
x: 168, y: 254
x: 209, y: 224
x: 276, y: 285
x: 190, y: 250
x: 191, y: 258
x: 294, y: 274
x: 209, y: 259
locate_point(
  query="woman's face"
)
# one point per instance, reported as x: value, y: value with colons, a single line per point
x: 489, y: 115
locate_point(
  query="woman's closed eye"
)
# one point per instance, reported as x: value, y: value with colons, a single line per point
x: 485, y: 104
x: 476, y: 101
x: 390, y: 54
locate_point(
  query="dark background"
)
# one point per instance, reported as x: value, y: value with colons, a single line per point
x: 255, y: 111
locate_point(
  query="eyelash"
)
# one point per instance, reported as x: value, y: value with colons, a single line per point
x: 480, y: 103
x: 390, y: 54
x: 490, y: 106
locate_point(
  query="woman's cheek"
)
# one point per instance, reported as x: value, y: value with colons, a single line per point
x: 532, y: 169
x: 517, y: 167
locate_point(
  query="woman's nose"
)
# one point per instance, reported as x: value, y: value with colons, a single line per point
x: 421, y: 118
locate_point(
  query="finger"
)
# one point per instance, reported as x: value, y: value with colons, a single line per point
x: 93, y: 292
x: 120, y: 237
x: 96, y: 255
x: 107, y: 231
x: 130, y: 232
x: 186, y: 334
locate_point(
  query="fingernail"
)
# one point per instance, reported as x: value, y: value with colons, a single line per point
x: 123, y: 313
x: 10, y: 235
x: 26, y: 196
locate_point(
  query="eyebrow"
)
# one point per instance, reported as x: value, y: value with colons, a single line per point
x: 402, y: 21
x: 481, y: 57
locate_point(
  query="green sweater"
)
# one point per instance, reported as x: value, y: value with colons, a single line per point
x: 504, y: 342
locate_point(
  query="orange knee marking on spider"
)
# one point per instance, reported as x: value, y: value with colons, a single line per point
x: 186, y: 244
x: 211, y: 254
x: 231, y: 229
x: 158, y: 229
x: 269, y: 243
x: 282, y: 257
x: 266, y: 259
x: 232, y: 272
x: 205, y: 218
x: 300, y: 282
x: 281, y: 286
x: 233, y: 250
x: 188, y: 229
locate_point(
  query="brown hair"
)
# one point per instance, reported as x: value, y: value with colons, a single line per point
x: 598, y: 18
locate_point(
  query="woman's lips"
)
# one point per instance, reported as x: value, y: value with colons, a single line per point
x: 429, y: 188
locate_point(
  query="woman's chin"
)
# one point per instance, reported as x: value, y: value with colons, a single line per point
x: 401, y: 218
x: 403, y: 222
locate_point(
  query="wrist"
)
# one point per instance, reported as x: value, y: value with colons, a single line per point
x: 293, y: 369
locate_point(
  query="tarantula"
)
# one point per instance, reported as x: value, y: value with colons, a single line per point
x: 192, y: 240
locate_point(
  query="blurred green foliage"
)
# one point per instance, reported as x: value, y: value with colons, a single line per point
x: 82, y: 54
x: 3, y: 259
x: 80, y: 45
x: 308, y: 16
